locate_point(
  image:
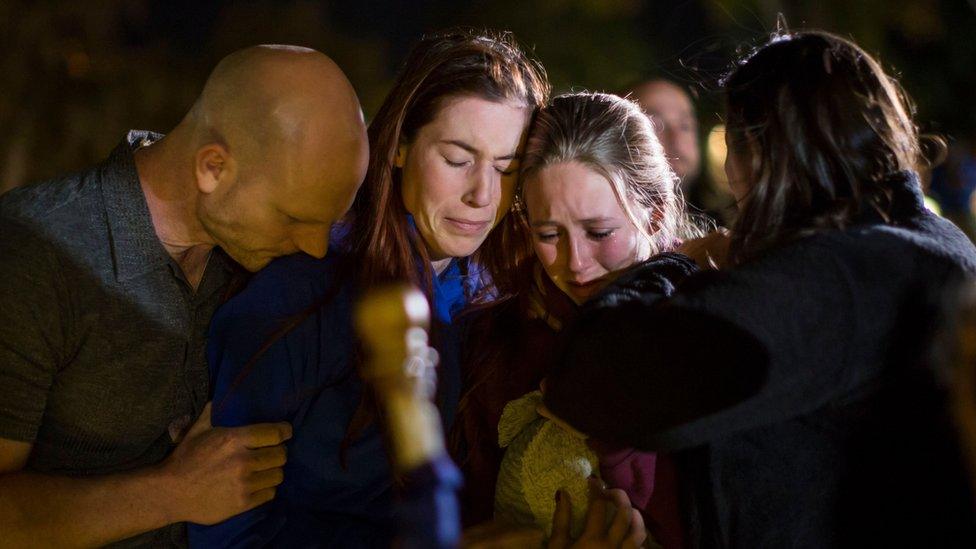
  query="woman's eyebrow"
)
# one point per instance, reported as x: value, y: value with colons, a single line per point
x: 460, y: 144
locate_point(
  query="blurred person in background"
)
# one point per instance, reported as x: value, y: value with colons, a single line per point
x: 672, y: 112
x: 673, y: 115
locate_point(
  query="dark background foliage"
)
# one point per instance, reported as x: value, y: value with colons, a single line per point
x: 75, y: 75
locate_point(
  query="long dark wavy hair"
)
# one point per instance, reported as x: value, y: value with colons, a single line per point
x: 458, y: 63
x: 488, y: 65
x: 378, y: 244
x: 821, y: 128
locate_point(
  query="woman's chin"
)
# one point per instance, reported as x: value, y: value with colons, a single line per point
x: 457, y: 247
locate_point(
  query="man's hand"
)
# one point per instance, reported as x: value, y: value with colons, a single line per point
x: 218, y: 472
x: 625, y: 530
x: 710, y: 251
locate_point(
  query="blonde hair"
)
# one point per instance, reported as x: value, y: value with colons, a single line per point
x: 614, y: 137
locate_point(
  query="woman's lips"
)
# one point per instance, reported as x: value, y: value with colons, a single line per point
x: 585, y: 289
x: 467, y: 226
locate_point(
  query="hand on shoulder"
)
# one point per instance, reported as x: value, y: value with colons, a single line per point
x: 710, y: 251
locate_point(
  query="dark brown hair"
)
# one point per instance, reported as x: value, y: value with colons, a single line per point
x: 824, y: 128
x: 379, y: 244
x: 457, y: 63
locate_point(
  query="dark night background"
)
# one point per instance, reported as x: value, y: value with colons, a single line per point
x: 74, y: 76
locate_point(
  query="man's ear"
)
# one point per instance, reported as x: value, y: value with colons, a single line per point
x: 401, y: 155
x: 214, y: 166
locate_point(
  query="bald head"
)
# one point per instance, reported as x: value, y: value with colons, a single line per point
x: 675, y: 123
x: 283, y: 126
x: 266, y: 100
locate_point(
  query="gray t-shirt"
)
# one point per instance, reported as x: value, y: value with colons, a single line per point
x: 101, y: 337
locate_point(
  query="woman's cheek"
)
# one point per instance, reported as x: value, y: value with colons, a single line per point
x: 545, y: 252
x: 618, y: 252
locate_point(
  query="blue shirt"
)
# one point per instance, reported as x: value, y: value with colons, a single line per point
x: 307, y: 378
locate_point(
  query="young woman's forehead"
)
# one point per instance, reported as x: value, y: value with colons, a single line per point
x: 486, y: 126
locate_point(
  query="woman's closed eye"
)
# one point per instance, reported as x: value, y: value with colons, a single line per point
x: 600, y: 234
x: 456, y: 163
x: 546, y: 236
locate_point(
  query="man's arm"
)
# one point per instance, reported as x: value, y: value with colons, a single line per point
x: 213, y: 474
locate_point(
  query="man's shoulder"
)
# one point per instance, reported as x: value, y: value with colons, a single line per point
x: 60, y: 201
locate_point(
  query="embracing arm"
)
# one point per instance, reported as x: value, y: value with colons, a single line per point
x: 37, y: 509
x: 730, y: 351
x: 51, y: 511
x: 212, y: 474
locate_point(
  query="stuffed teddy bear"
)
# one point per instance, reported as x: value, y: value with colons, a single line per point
x: 541, y: 457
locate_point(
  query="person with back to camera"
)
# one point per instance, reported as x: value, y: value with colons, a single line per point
x: 784, y: 380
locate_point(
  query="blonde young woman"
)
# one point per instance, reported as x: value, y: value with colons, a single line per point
x: 597, y: 198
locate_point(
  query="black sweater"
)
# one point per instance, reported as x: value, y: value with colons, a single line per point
x: 792, y: 387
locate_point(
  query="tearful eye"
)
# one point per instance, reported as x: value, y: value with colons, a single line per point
x: 600, y: 235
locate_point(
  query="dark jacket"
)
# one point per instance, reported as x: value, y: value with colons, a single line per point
x: 507, y: 352
x: 794, y: 384
x: 337, y: 492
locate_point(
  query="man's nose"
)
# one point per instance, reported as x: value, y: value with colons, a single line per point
x: 314, y: 242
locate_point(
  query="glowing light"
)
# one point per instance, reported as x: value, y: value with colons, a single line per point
x: 715, y: 152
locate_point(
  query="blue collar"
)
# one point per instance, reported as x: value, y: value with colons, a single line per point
x: 449, y: 292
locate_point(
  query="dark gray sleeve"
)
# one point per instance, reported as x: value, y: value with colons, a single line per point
x: 32, y: 298
x: 728, y: 352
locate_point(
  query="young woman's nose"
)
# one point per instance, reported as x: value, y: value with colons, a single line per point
x: 577, y: 255
x: 482, y: 186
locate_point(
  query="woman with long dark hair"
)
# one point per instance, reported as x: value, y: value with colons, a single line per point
x: 787, y: 380
x: 444, y: 150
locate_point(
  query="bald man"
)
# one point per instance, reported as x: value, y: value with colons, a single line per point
x: 108, y: 279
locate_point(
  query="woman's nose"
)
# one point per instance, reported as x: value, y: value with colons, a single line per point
x: 484, y: 180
